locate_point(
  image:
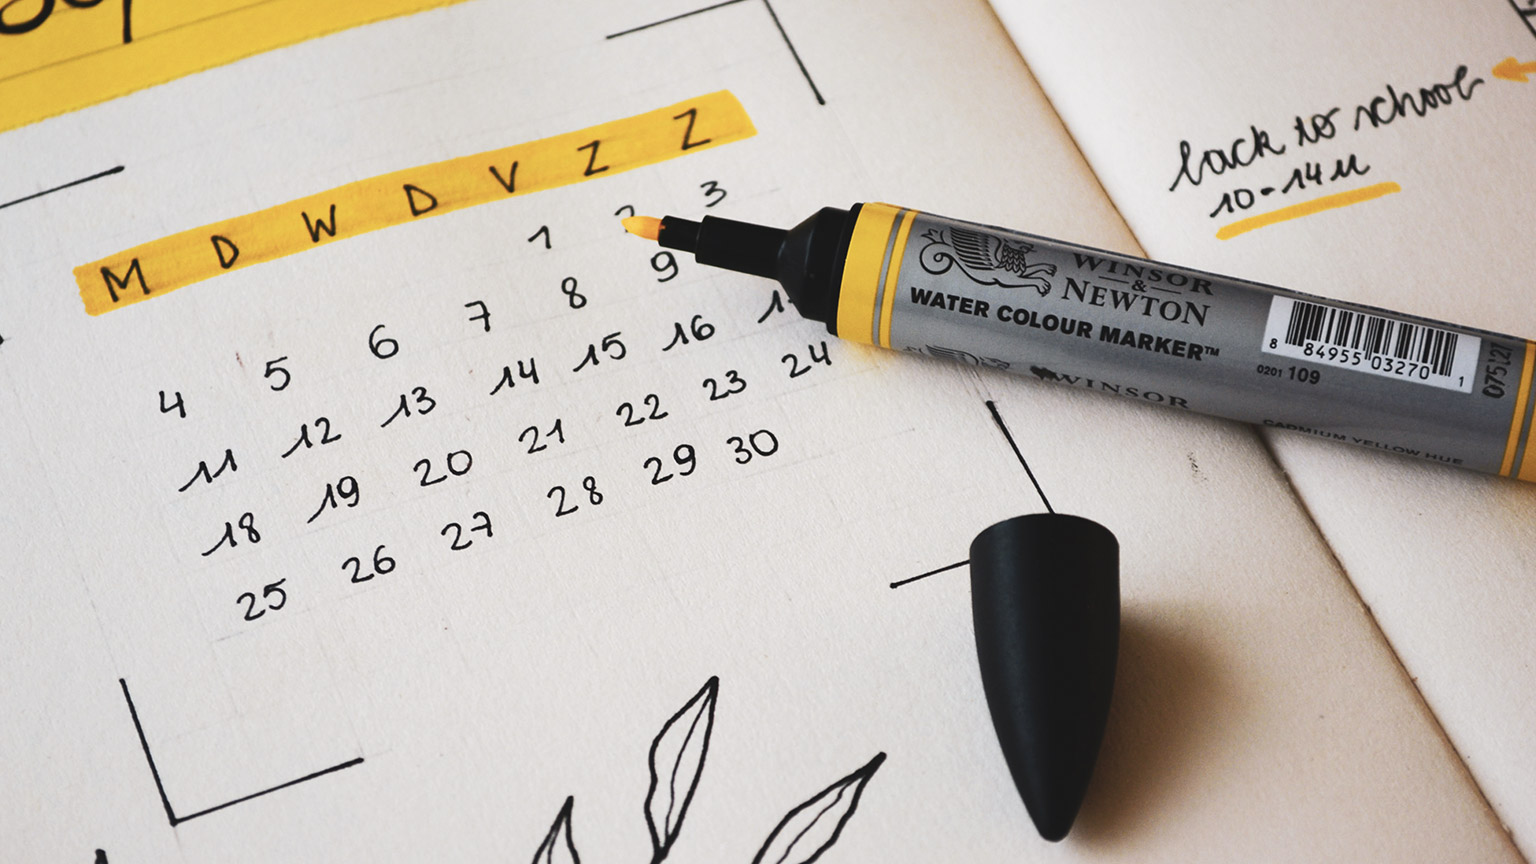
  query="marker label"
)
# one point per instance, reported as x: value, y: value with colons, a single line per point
x: 1374, y: 344
x: 1191, y: 340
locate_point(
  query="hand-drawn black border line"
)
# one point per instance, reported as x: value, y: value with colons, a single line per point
x: 1526, y: 15
x: 998, y: 419
x: 97, y: 176
x: 171, y: 813
x: 771, y: 14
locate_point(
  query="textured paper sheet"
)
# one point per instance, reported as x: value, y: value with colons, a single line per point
x: 451, y: 612
x: 1443, y: 558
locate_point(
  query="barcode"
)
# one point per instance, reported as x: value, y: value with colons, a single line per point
x: 1371, y: 343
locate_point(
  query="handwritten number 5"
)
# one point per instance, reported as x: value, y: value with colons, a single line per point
x: 274, y: 369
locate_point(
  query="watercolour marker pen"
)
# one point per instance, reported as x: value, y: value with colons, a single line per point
x: 1212, y: 344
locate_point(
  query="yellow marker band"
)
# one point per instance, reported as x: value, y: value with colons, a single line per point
x: 163, y: 265
x: 892, y: 270
x: 1517, y: 421
x: 864, y: 272
x: 75, y: 56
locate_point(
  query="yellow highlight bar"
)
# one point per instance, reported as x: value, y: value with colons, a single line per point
x: 856, y: 309
x: 1522, y: 393
x: 67, y: 56
x: 1306, y: 208
x: 163, y: 265
x: 892, y: 270
x: 1527, y: 467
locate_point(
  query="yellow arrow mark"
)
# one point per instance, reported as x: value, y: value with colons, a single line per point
x: 1512, y: 70
x: 1306, y: 208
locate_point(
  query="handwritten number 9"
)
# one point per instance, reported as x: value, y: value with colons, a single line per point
x: 664, y: 262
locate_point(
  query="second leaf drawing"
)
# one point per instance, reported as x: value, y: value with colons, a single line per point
x: 677, y: 761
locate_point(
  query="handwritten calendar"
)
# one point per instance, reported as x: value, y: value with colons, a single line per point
x: 425, y: 515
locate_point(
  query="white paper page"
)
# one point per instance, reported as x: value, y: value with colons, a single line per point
x: 449, y: 704
x: 1442, y: 557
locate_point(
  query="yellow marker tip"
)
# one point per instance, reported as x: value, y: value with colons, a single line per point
x: 648, y: 227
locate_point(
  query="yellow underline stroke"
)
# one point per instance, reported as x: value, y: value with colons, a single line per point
x: 1515, y: 423
x: 1306, y: 208
x: 73, y: 61
x: 161, y: 266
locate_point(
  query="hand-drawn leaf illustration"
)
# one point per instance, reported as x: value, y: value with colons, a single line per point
x: 810, y: 829
x: 558, y: 847
x: 677, y: 760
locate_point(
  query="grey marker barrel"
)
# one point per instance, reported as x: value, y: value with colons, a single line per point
x: 1156, y: 333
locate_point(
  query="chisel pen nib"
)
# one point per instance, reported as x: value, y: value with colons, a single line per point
x: 648, y: 227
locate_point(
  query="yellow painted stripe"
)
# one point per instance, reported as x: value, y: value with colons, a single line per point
x: 1307, y: 208
x: 163, y: 265
x: 1522, y: 393
x: 892, y: 271
x: 861, y: 271
x: 74, y: 57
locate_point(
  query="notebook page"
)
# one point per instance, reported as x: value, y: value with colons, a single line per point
x: 1441, y: 557
x: 471, y: 536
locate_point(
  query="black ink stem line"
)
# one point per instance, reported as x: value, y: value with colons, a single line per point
x: 133, y: 712
x: 1527, y: 16
x: 771, y: 14
x: 96, y: 176
x: 998, y: 419
x: 902, y: 582
x: 670, y: 20
x: 794, y: 53
x: 321, y: 773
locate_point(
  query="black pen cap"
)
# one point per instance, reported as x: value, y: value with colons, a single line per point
x: 1045, y: 603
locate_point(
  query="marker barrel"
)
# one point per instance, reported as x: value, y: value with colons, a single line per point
x: 1187, y: 339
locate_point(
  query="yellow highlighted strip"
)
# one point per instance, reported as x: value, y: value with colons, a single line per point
x: 1528, y: 464
x: 73, y: 55
x: 163, y: 265
x: 861, y: 271
x: 1306, y: 208
x: 1522, y: 393
x: 893, y: 269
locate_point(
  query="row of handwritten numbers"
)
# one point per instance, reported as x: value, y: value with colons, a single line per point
x: 682, y: 462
